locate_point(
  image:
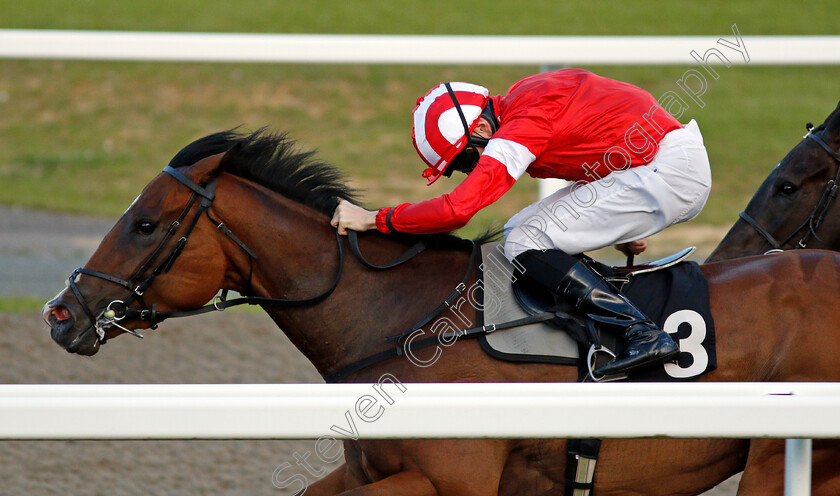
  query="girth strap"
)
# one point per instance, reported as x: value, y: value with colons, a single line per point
x: 409, y: 345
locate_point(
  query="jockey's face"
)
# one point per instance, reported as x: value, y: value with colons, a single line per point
x: 483, y: 130
x: 468, y: 158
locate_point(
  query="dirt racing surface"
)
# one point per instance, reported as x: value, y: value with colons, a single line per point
x: 238, y: 346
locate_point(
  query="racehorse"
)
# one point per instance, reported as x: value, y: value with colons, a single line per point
x: 794, y: 208
x: 250, y: 213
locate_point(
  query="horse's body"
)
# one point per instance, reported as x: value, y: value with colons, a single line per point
x: 776, y: 320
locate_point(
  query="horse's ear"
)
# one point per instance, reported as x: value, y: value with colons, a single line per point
x: 832, y: 124
x: 203, y: 171
x: 231, y: 154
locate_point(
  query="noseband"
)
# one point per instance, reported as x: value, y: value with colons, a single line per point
x: 817, y: 214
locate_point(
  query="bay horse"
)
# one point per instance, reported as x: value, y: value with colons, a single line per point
x: 795, y: 206
x: 250, y: 213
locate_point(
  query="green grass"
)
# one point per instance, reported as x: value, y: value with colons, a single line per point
x: 537, y: 17
x: 86, y: 136
x: 21, y: 304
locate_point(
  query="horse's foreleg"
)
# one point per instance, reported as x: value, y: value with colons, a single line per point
x: 334, y: 483
x: 764, y: 473
x: 825, y: 476
x: 402, y: 483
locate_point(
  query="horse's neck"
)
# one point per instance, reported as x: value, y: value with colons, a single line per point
x: 298, y: 258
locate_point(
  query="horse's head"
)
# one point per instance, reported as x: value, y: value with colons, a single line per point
x: 796, y: 205
x: 128, y: 279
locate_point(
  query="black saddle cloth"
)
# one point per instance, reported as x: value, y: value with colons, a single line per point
x: 676, y: 298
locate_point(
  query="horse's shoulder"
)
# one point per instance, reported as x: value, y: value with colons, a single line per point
x: 801, y: 258
x: 790, y: 265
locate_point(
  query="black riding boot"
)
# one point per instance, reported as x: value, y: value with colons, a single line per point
x: 565, y: 276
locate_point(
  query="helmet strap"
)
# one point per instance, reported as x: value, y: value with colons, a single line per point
x: 460, y: 112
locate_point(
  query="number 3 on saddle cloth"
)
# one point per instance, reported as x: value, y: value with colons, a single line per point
x: 676, y: 297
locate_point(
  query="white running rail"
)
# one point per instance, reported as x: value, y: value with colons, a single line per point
x: 407, y: 49
x: 395, y: 410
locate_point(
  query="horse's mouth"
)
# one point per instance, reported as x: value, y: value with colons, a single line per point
x: 64, y: 333
x: 86, y: 343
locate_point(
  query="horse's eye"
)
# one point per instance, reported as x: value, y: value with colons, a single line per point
x: 787, y: 189
x: 146, y: 227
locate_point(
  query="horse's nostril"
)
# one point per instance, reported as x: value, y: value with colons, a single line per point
x: 61, y: 313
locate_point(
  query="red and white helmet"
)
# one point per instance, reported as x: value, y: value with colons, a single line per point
x: 438, y: 131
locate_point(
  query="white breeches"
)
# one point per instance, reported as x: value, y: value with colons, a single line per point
x: 626, y: 205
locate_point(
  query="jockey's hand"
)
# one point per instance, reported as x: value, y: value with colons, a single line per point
x: 632, y: 247
x: 349, y: 216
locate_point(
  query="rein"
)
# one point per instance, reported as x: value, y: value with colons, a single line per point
x: 817, y: 214
x: 416, y: 249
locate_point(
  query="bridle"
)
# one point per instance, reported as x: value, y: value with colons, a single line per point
x: 818, y: 213
x: 118, y: 310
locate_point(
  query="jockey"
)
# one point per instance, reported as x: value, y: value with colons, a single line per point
x: 636, y: 171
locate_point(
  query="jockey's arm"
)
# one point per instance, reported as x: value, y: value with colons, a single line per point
x: 513, y: 148
x: 484, y: 185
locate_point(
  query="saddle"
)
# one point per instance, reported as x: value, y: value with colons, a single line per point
x: 536, y: 299
x: 670, y: 288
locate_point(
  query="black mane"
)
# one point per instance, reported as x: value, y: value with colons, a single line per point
x: 274, y: 161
